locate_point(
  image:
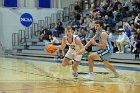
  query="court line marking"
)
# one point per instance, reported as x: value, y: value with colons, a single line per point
x: 83, y: 64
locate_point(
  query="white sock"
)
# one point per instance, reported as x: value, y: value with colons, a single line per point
x: 90, y: 73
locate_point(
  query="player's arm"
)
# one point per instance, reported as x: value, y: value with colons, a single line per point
x: 79, y: 43
x: 85, y: 47
x: 91, y: 41
x: 62, y: 46
x: 102, y: 45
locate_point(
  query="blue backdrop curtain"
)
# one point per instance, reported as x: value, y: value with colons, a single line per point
x: 10, y: 3
x: 44, y: 3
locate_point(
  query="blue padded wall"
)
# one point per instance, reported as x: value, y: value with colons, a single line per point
x: 44, y: 3
x: 10, y: 3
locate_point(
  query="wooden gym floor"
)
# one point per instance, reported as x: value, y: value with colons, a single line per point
x: 44, y: 75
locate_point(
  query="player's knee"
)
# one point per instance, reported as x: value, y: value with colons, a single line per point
x: 64, y: 65
x: 90, y: 57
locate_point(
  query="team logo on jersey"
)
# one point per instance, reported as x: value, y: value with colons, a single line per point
x: 26, y: 19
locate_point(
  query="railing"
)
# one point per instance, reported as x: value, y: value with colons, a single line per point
x: 71, y: 11
x: 60, y: 15
x: 47, y: 21
x: 1, y: 48
x: 28, y: 32
x: 41, y: 24
x: 15, y: 39
x: 22, y: 36
x: 37, y: 27
x: 66, y: 14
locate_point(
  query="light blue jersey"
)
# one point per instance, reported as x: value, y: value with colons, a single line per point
x: 105, y: 54
x: 108, y: 41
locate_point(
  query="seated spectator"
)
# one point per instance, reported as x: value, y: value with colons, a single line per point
x: 122, y: 41
x: 113, y: 38
x: 133, y: 41
x: 82, y: 35
x: 120, y: 13
x: 59, y: 29
x: 44, y: 34
x: 138, y: 41
x: 77, y: 8
x: 109, y: 22
x: 137, y: 21
x: 132, y: 19
x: 132, y: 27
x: 41, y: 35
x: 127, y: 30
x: 116, y: 3
x: 89, y: 34
x: 76, y: 24
x: 91, y: 26
x: 55, y: 41
x: 77, y: 15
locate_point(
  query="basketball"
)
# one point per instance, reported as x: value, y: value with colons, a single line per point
x: 50, y: 49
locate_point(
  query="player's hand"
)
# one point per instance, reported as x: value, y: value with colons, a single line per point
x: 94, y: 42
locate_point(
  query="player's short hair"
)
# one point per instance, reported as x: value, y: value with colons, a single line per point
x: 68, y: 28
x: 100, y: 23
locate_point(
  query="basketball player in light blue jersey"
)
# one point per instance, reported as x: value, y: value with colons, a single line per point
x: 75, y: 45
x: 104, y: 53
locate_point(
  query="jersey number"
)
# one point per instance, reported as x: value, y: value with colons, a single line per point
x: 72, y: 47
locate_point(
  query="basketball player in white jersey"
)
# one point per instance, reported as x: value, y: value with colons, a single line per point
x: 74, y: 43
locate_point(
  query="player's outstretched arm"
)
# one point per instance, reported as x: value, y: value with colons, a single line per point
x: 62, y: 46
x: 84, y: 48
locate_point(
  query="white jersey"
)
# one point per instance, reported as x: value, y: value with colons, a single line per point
x: 72, y: 46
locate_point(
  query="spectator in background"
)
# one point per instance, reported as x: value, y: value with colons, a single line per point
x: 44, y: 35
x: 127, y: 30
x: 113, y: 38
x: 122, y: 41
x: 120, y: 13
x: 132, y: 20
x: 41, y: 35
x: 132, y: 26
x: 138, y: 41
x: 91, y: 25
x: 82, y: 35
x: 59, y: 29
x: 137, y: 21
x: 133, y: 41
x: 77, y: 8
x: 109, y: 22
x: 77, y: 15
x: 117, y: 2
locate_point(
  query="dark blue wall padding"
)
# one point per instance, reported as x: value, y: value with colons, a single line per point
x: 44, y: 3
x: 10, y: 3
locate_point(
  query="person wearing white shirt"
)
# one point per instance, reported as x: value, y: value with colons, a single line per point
x: 137, y: 21
x: 122, y: 41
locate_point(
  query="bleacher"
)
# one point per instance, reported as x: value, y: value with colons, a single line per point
x: 26, y: 41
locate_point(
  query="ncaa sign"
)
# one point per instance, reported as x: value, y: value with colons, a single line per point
x: 26, y: 19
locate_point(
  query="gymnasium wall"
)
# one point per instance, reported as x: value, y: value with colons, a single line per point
x: 0, y: 3
x: 34, y: 3
x: 10, y: 22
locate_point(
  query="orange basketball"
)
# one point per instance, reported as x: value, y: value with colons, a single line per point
x: 50, y: 49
